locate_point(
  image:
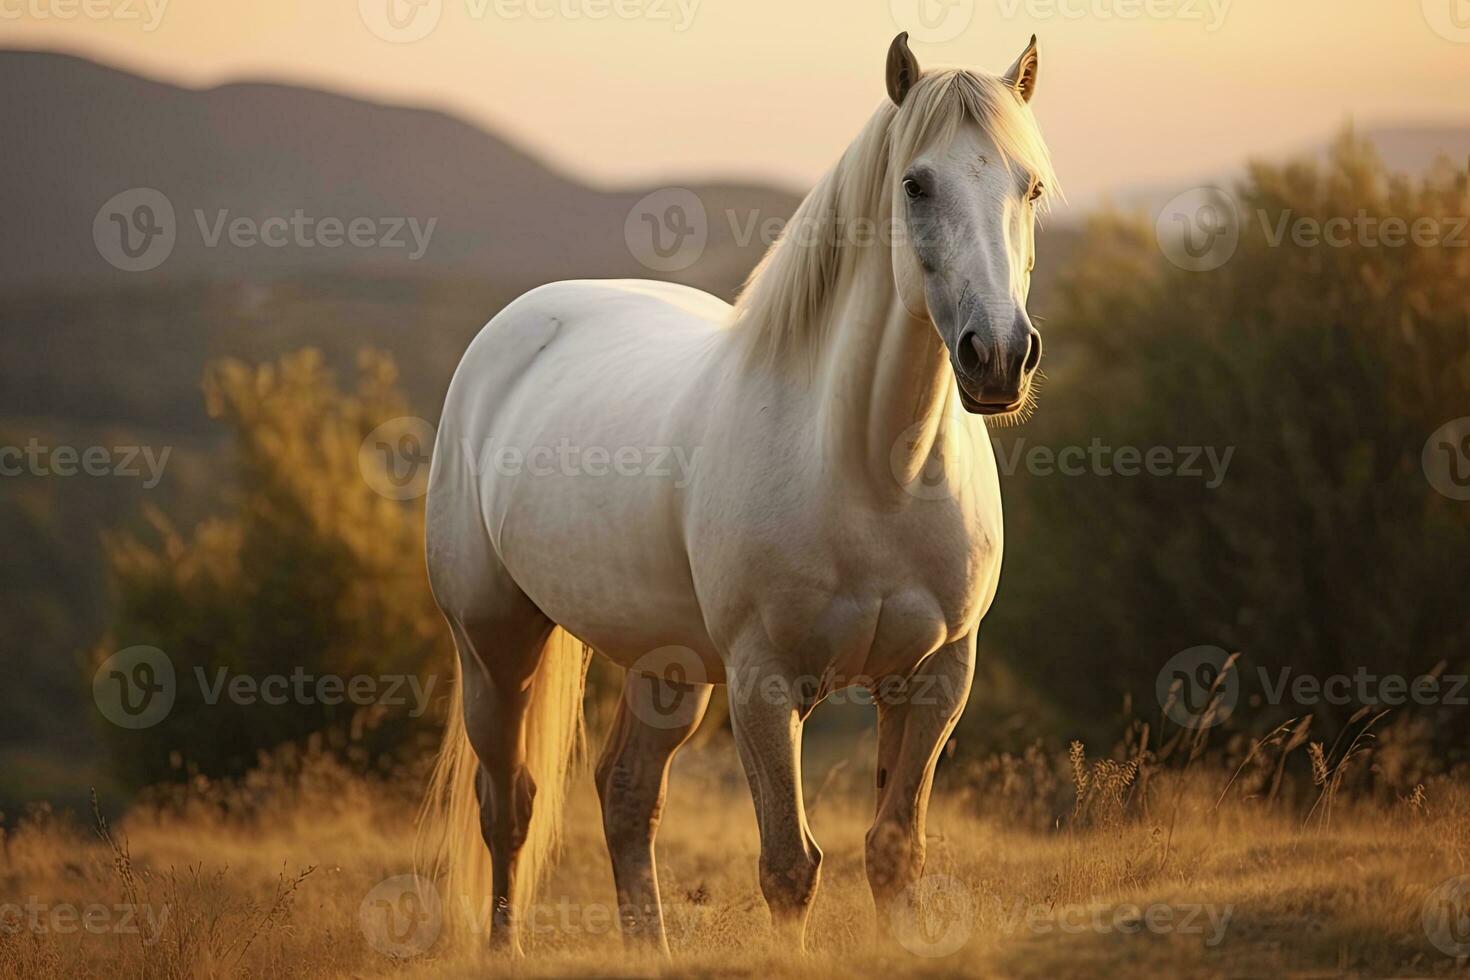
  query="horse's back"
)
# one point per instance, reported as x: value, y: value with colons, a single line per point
x: 613, y: 304
x: 577, y: 322
x: 566, y: 436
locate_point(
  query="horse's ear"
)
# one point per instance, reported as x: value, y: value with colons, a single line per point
x: 1022, y: 75
x: 903, y: 69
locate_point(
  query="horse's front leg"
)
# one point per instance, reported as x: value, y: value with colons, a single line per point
x: 915, y: 720
x: 766, y: 714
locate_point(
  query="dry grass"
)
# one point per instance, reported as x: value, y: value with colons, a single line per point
x: 272, y: 880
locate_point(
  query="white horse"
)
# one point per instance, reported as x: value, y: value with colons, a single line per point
x: 813, y: 545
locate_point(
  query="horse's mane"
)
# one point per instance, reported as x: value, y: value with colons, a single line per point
x: 783, y: 303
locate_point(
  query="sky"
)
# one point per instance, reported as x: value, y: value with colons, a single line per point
x: 624, y: 92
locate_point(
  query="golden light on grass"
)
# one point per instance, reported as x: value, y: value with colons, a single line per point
x: 270, y: 878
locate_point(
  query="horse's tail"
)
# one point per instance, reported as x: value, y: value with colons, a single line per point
x: 450, y: 848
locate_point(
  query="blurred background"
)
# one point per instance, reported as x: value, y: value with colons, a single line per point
x: 173, y: 290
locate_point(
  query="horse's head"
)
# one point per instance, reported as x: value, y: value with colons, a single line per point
x: 969, y: 172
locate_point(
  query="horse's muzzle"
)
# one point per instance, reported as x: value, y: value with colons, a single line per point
x: 994, y: 372
x: 994, y: 379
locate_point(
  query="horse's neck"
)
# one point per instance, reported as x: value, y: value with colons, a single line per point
x: 885, y: 385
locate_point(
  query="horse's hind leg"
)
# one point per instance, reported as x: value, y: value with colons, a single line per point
x: 497, y: 659
x: 654, y: 718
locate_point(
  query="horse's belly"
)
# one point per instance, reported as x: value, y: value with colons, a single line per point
x: 612, y: 577
x: 582, y: 467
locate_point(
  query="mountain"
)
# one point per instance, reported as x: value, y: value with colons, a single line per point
x: 1403, y: 149
x: 78, y: 333
x: 83, y: 133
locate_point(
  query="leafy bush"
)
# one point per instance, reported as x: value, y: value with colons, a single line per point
x: 308, y: 571
x: 1325, y: 549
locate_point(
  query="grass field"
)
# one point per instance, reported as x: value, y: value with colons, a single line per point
x: 300, y: 875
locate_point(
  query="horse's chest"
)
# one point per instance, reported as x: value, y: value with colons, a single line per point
x: 940, y: 571
x: 877, y: 597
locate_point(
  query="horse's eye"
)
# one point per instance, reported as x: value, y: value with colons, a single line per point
x: 912, y: 188
x: 1037, y: 190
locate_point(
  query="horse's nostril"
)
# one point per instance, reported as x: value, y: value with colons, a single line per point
x: 972, y: 354
x: 1033, y: 351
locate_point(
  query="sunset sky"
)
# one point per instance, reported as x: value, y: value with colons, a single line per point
x: 625, y: 91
